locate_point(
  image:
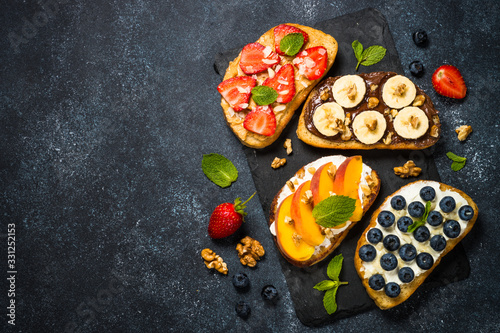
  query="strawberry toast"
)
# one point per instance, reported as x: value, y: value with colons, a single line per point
x: 270, y: 79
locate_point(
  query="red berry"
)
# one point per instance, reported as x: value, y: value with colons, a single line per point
x: 312, y: 62
x: 448, y: 81
x: 261, y: 120
x: 237, y: 90
x: 281, y: 31
x: 256, y: 58
x: 227, y: 218
x: 283, y: 82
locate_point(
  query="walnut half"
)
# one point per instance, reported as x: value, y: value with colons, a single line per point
x: 463, y: 132
x: 212, y: 260
x: 409, y: 169
x: 250, y: 251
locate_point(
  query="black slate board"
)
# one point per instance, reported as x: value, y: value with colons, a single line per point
x: 370, y: 28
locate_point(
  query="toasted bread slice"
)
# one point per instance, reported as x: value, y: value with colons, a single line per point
x: 434, y: 240
x: 283, y: 112
x: 302, y: 254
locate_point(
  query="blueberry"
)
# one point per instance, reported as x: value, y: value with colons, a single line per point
x: 398, y: 202
x: 451, y: 229
x: 269, y: 293
x: 447, y: 204
x: 388, y: 261
x: 421, y: 234
x: 435, y: 218
x: 417, y: 68
x: 391, y: 242
x: 425, y: 260
x: 242, y: 309
x: 404, y: 222
x: 386, y: 218
x: 376, y: 282
x: 416, y: 209
x: 392, y: 289
x: 241, y: 281
x: 367, y: 252
x: 427, y: 193
x: 438, y: 243
x: 420, y: 37
x: 407, y: 252
x: 374, y: 235
x: 406, y: 274
x: 466, y: 212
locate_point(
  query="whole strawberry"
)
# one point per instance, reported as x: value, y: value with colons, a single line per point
x: 227, y: 218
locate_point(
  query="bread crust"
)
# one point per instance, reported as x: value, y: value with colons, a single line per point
x: 407, y: 289
x: 254, y: 140
x: 336, y: 240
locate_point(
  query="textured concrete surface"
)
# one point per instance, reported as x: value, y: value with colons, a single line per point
x: 106, y: 110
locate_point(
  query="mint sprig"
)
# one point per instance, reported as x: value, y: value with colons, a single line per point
x: 292, y: 43
x: 331, y: 286
x: 334, y: 210
x: 458, y: 161
x: 219, y: 169
x: 264, y: 95
x: 367, y: 57
x: 416, y: 224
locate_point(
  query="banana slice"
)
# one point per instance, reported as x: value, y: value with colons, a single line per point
x: 411, y: 123
x: 329, y: 118
x: 398, y: 92
x: 349, y: 90
x: 369, y: 126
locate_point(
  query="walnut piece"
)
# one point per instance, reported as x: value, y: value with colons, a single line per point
x: 463, y: 132
x: 388, y: 139
x: 419, y: 100
x: 250, y: 251
x: 212, y: 260
x: 296, y: 239
x: 346, y: 134
x: 278, y: 162
x: 434, y: 131
x: 288, y: 146
x: 373, y: 87
x: 409, y: 169
x: 290, y: 185
x: 324, y: 94
x: 332, y: 171
x: 372, y: 102
x: 351, y: 92
x: 307, y: 197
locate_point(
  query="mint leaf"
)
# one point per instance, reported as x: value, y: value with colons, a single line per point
x: 334, y: 267
x: 264, y: 95
x: 291, y: 43
x: 326, y: 285
x: 455, y: 158
x: 455, y: 166
x: 329, y: 301
x: 334, y: 210
x: 415, y: 225
x: 219, y: 169
x: 368, y: 57
x: 358, y: 49
x: 331, y: 287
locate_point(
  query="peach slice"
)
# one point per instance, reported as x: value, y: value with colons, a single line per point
x: 299, y: 251
x: 321, y: 183
x: 305, y: 223
x: 347, y: 181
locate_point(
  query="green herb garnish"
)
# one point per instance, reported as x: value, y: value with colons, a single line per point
x: 291, y: 43
x: 331, y: 286
x: 334, y: 210
x: 458, y: 161
x: 421, y: 222
x: 264, y: 95
x: 367, y: 57
x: 219, y: 169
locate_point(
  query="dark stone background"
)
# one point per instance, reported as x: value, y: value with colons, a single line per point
x: 106, y: 110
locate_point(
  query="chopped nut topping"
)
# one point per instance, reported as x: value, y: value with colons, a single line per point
x: 311, y: 170
x: 434, y: 131
x: 419, y: 100
x: 307, y: 197
x: 387, y: 111
x: 347, y: 134
x: 324, y: 94
x: 296, y: 239
x: 374, y: 87
x: 394, y: 113
x: 214, y: 261
x: 250, y: 251
x: 414, y: 121
x: 278, y: 162
x: 288, y: 146
x: 347, y: 119
x: 351, y: 92
x: 372, y: 102
x: 290, y: 185
x: 463, y: 132
x: 366, y: 190
x: 388, y: 139
x: 332, y: 171
x: 435, y: 119
x: 301, y: 173
x: 372, y: 181
x: 400, y: 89
x: 409, y: 169
x: 288, y: 220
x: 371, y: 124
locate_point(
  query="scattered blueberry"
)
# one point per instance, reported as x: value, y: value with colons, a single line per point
x: 425, y: 260
x: 451, y: 229
x: 421, y: 234
x: 447, y: 204
x: 417, y: 68
x: 269, y: 293
x: 438, y: 243
x: 391, y: 242
x: 374, y: 235
x: 406, y: 274
x: 376, y: 282
x: 407, y: 252
x: 367, y: 252
x: 392, y: 289
x: 420, y: 37
x: 242, y: 309
x: 427, y: 193
x: 241, y: 281
x: 435, y: 218
x: 466, y: 212
x: 398, y: 202
x: 404, y: 222
x: 416, y: 209
x: 388, y: 261
x: 386, y: 218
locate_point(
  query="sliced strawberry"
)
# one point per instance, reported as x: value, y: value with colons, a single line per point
x: 256, y: 58
x: 281, y: 31
x: 261, y: 120
x: 312, y: 62
x: 448, y: 82
x: 283, y: 82
x: 237, y: 90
